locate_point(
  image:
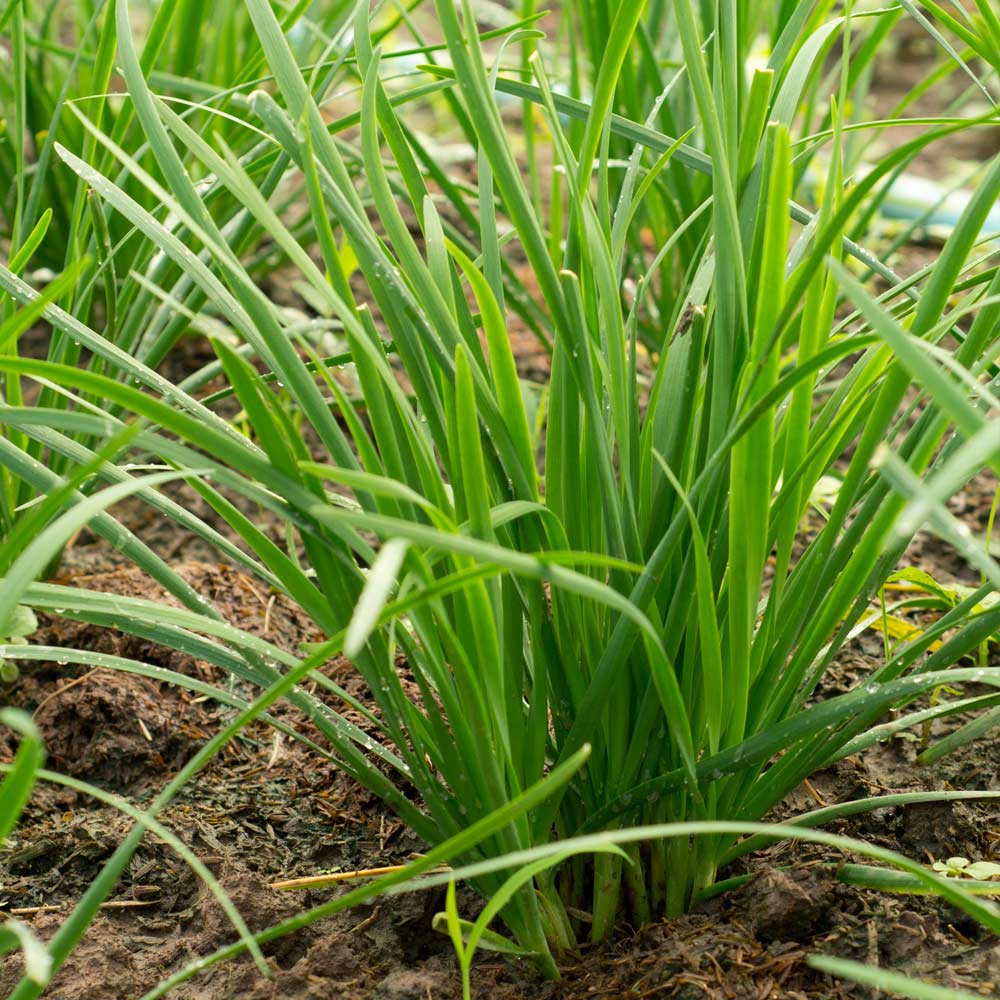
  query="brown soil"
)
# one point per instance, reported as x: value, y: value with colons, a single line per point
x: 269, y: 808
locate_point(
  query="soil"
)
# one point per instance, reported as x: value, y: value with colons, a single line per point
x: 268, y: 808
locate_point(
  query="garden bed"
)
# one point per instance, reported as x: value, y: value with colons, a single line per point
x: 267, y: 808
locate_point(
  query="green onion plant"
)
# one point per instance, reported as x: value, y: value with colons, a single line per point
x: 612, y: 592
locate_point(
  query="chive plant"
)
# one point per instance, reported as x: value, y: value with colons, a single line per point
x: 624, y: 600
x: 62, y: 62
